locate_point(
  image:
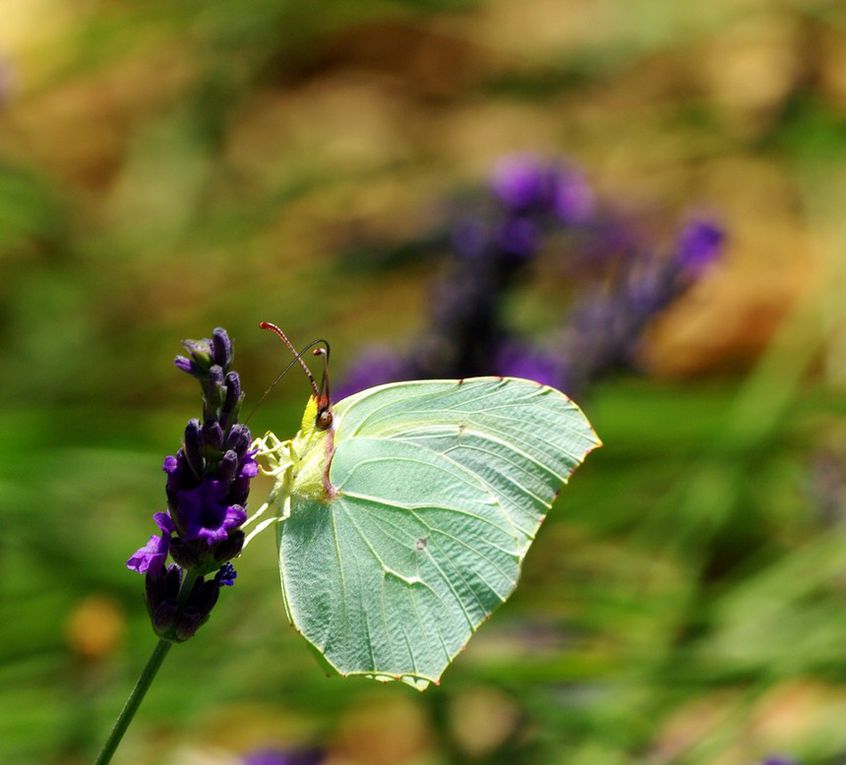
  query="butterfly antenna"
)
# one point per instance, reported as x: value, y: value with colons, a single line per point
x: 297, y: 356
x: 278, y: 378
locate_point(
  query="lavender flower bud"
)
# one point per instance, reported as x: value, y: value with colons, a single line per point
x: 161, y: 593
x: 215, y: 392
x: 193, y: 447
x: 199, y: 351
x: 232, y: 401
x: 238, y: 439
x: 185, y: 364
x: 212, y: 436
x: 221, y: 348
x: 216, y: 376
x: 196, y: 609
x: 228, y: 467
x: 229, y: 547
x: 179, y: 477
x: 184, y: 554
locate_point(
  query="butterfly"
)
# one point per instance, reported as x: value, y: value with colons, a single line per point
x: 405, y: 511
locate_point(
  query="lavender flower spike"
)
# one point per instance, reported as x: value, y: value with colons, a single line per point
x: 207, y: 485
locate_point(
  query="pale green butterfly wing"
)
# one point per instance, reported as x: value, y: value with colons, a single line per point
x: 441, y: 486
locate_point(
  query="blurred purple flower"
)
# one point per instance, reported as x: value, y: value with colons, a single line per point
x: 470, y: 239
x: 279, y: 756
x: 207, y: 487
x: 515, y: 360
x: 604, y: 330
x: 520, y: 182
x: 699, y: 244
x: 572, y: 198
x: 496, y: 247
x: 519, y: 237
x: 376, y: 365
x: 778, y: 760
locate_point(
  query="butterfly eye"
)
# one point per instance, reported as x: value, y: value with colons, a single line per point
x: 324, y: 420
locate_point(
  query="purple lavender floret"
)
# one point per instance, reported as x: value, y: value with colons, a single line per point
x: 154, y: 553
x: 778, y: 760
x: 205, y: 514
x: 226, y: 576
x: 207, y: 484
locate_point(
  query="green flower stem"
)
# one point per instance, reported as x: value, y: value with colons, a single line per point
x: 143, y: 684
x: 133, y: 702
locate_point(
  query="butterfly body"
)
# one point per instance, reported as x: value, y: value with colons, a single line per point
x: 311, y: 453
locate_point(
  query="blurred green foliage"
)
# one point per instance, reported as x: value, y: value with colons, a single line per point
x: 169, y: 167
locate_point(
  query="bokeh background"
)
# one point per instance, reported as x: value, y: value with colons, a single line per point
x: 169, y: 167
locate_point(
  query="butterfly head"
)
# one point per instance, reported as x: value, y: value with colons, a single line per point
x: 324, y: 417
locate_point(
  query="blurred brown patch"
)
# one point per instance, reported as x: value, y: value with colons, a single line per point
x: 95, y: 627
x: 425, y: 61
x: 750, y: 68
x: 691, y: 724
x: 482, y: 719
x: 248, y: 726
x: 382, y: 731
